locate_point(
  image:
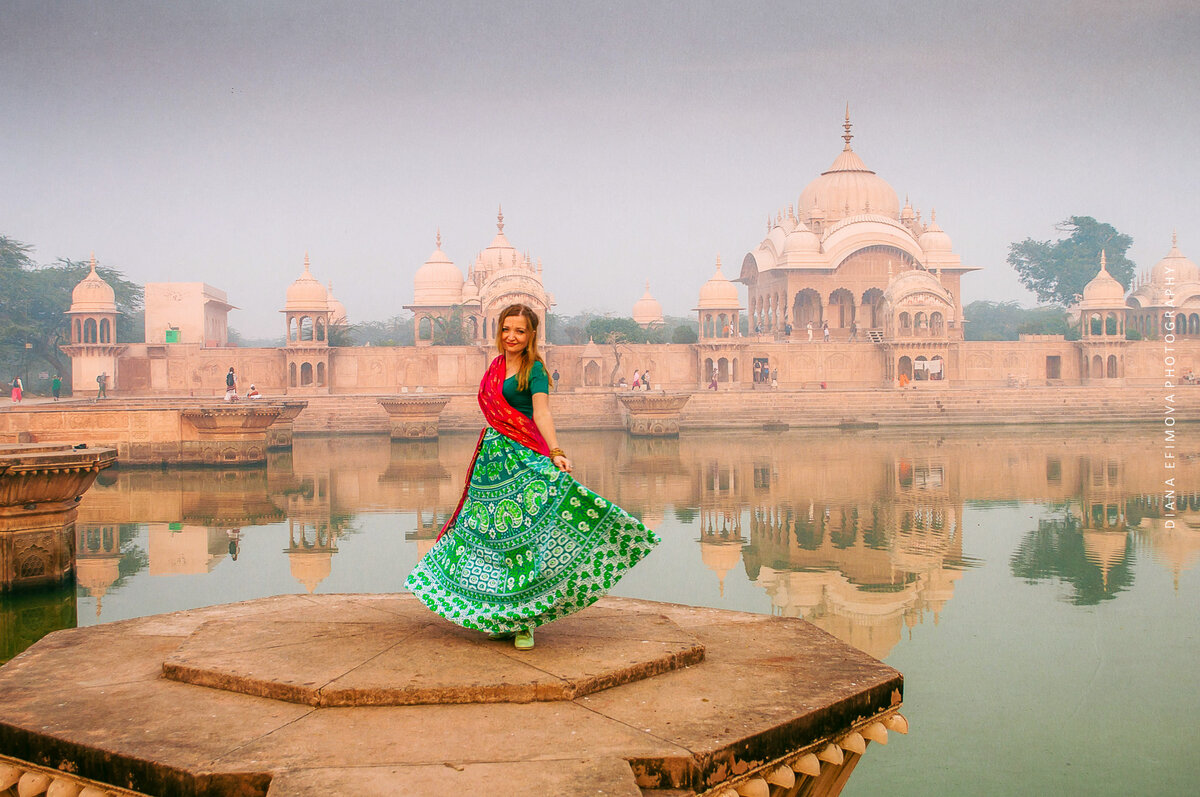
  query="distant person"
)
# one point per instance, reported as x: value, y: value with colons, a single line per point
x: 787, y: 330
x: 235, y: 542
x: 825, y: 330
x: 621, y: 383
x: 810, y: 331
x: 757, y: 371
x: 554, y: 376
x: 231, y: 386
x: 102, y: 385
x: 253, y: 394
x: 645, y: 380
x: 766, y: 373
x: 637, y: 380
x: 16, y: 390
x: 853, y: 331
x: 56, y: 386
x: 712, y: 385
x: 903, y: 380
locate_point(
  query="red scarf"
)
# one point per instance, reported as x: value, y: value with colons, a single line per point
x: 501, y: 416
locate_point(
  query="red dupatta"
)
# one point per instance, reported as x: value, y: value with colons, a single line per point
x: 501, y: 416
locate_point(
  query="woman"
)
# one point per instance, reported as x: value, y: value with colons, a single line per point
x: 16, y: 390
x: 527, y: 544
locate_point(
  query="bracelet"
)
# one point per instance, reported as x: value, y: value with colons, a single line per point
x: 556, y: 452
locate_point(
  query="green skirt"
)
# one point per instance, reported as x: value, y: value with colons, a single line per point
x: 530, y: 545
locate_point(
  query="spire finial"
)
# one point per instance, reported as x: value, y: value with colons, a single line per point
x: 1174, y: 238
x: 1103, y: 261
x: 439, y: 236
x: 846, y: 136
x: 500, y: 218
x: 305, y: 261
x: 92, y: 262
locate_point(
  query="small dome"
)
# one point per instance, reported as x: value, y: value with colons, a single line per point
x: 93, y: 295
x: 801, y: 241
x: 306, y: 293
x: 1181, y: 268
x: 718, y: 293
x: 438, y: 282
x: 1104, y: 289
x: 647, y: 311
x: 337, y: 310
x: 934, y: 239
x: 848, y: 188
x: 916, y: 281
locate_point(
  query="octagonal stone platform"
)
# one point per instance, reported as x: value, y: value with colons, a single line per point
x: 325, y: 663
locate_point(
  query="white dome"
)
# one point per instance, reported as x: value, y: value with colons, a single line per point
x: 647, y: 311
x: 438, y: 282
x: 718, y: 293
x: 1181, y: 268
x: 848, y: 188
x: 93, y: 295
x: 1104, y: 289
x: 306, y: 293
x: 934, y: 239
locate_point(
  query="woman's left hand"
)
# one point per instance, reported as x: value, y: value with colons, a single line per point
x: 562, y: 463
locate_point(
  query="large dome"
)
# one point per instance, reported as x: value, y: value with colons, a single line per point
x: 647, y: 311
x: 718, y: 293
x: 337, y: 310
x: 438, y: 282
x: 1175, y: 266
x: 848, y: 188
x: 1104, y: 289
x: 306, y: 294
x: 93, y: 295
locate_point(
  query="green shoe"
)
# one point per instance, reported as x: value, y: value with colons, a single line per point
x: 524, y: 640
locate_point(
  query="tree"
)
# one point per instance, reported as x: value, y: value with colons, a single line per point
x: 624, y: 330
x: 36, y: 299
x: 682, y: 334
x: 451, y: 330
x: 1008, y: 320
x: 1058, y: 271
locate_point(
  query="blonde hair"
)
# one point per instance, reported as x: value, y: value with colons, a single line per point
x: 531, y: 353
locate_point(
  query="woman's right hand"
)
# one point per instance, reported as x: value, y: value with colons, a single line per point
x: 562, y: 463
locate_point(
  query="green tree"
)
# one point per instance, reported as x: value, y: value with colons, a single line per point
x: 451, y: 330
x: 621, y: 330
x: 1008, y: 320
x: 682, y: 334
x: 36, y: 299
x: 1058, y: 271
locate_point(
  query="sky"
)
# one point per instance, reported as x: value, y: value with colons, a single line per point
x: 221, y: 141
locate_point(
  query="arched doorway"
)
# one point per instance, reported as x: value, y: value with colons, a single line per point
x: 807, y: 309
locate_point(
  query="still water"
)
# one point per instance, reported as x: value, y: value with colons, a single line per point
x: 1027, y: 582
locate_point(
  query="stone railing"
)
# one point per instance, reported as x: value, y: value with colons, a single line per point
x: 22, y: 779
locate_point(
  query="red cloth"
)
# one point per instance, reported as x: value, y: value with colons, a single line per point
x: 500, y: 416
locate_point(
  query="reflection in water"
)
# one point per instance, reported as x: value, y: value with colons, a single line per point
x: 862, y: 534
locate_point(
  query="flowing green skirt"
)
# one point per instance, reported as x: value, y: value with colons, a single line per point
x: 530, y: 545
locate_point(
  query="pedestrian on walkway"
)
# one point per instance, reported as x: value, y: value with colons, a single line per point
x: 17, y: 388
x: 102, y: 385
x: 810, y: 331
x: 56, y: 386
x: 825, y: 330
x: 231, y: 386
x: 554, y: 377
x: 853, y: 331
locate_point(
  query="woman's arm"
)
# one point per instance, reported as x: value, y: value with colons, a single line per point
x: 545, y: 424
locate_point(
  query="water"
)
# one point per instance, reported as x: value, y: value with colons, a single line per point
x: 1025, y: 581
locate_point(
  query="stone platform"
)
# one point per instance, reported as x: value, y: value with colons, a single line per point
x: 372, y: 695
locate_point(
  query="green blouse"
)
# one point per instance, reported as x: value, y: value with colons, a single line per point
x: 522, y: 400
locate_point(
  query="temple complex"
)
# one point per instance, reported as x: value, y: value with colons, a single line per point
x: 849, y: 289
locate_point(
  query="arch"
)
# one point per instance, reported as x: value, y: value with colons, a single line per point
x: 472, y: 327
x: 940, y: 373
x: 921, y: 324
x: 591, y: 374
x: 306, y: 374
x: 937, y: 324
x: 424, y: 328
x: 723, y: 329
x: 1110, y: 324
x: 904, y: 367
x: 708, y: 325
x: 841, y: 309
x: 292, y: 375
x: 906, y: 325
x: 873, y: 298
x: 320, y: 374
x: 1097, y: 367
x: 320, y: 328
x: 89, y: 330
x: 306, y: 328
x: 1193, y: 324
x: 708, y: 369
x: 807, y: 308
x: 723, y: 370
x: 1095, y: 325
x: 1112, y: 367
x: 78, y: 334
x: 105, y: 331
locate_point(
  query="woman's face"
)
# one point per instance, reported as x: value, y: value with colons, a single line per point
x: 514, y: 334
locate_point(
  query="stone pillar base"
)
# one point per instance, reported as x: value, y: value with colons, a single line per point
x: 414, y: 417
x: 653, y: 414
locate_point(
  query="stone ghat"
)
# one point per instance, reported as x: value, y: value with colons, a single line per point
x: 372, y: 695
x: 756, y: 409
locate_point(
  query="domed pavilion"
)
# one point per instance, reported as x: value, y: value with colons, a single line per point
x: 1172, y: 289
x: 93, y: 349
x: 308, y: 317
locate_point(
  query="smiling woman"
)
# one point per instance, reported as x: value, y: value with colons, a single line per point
x: 527, y: 544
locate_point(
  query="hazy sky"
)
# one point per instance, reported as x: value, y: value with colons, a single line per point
x: 220, y: 141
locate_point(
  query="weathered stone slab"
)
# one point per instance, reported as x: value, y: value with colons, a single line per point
x: 339, y: 663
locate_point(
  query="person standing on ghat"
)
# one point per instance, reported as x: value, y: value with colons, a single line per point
x: 16, y: 390
x: 102, y: 385
x: 231, y: 386
x: 527, y: 543
x: 56, y: 386
x: 810, y: 331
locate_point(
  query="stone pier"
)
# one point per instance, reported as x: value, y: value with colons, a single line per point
x: 372, y: 695
x: 279, y: 434
x: 653, y: 414
x: 414, y: 417
x: 40, y: 488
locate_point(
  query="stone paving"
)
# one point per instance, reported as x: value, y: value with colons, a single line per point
x: 372, y: 695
